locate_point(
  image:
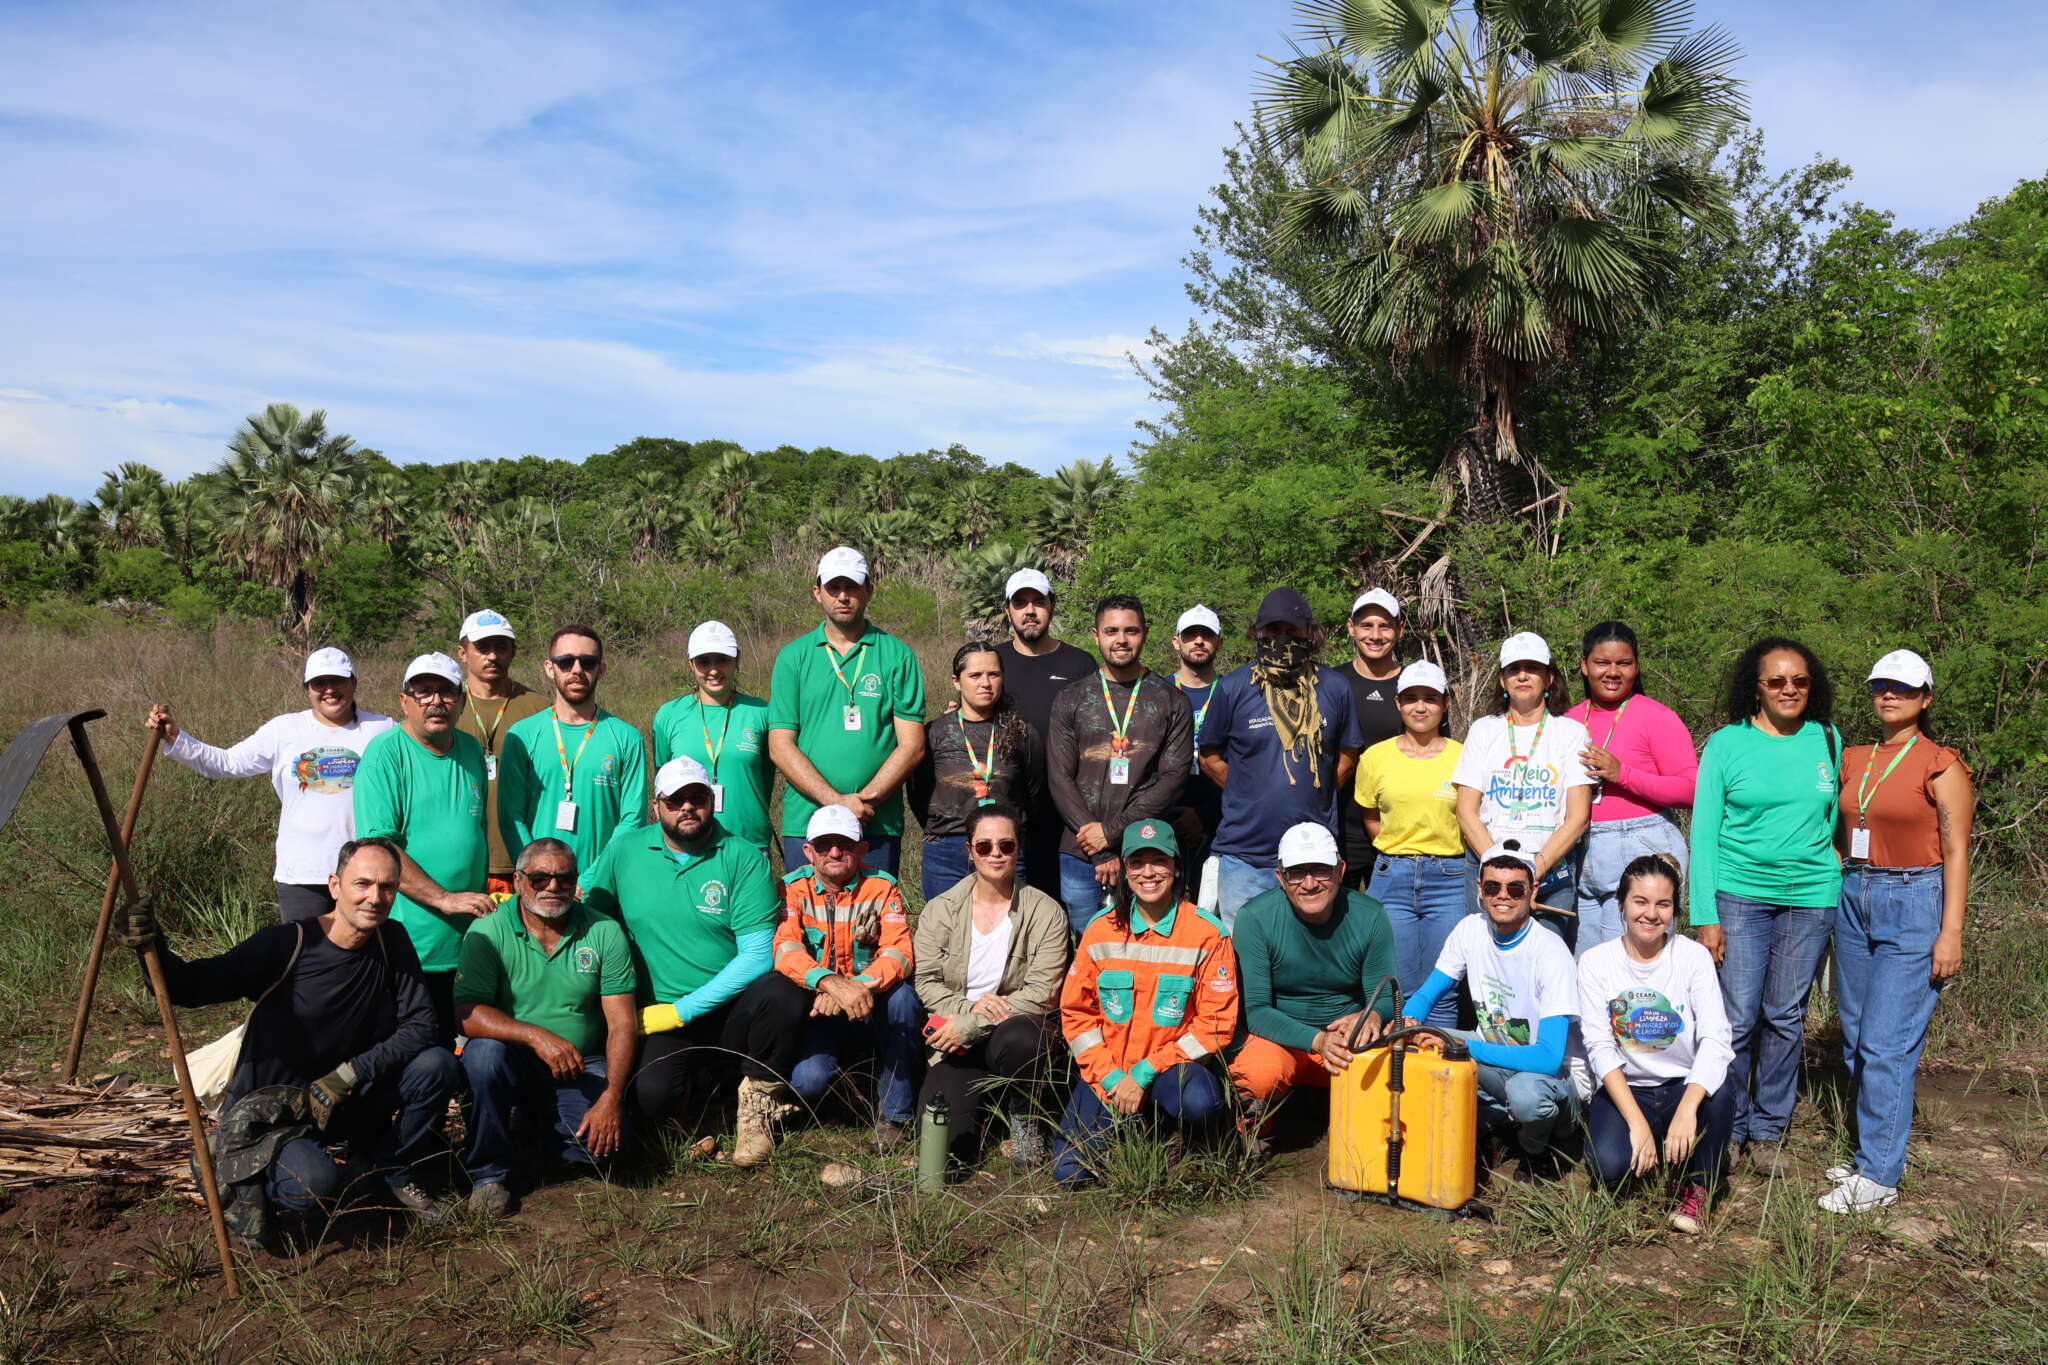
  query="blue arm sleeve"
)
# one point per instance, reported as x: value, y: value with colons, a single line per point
x: 1544, y: 1057
x: 751, y: 961
x: 1418, y: 1005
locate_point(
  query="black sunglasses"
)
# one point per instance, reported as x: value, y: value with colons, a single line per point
x: 568, y: 663
x: 1490, y: 887
x: 541, y: 881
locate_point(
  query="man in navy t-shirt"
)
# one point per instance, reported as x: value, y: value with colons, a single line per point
x: 1281, y: 739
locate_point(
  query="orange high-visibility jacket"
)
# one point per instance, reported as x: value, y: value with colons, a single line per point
x: 861, y: 933
x: 1139, y: 1001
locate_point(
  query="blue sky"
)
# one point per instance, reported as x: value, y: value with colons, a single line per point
x: 473, y: 230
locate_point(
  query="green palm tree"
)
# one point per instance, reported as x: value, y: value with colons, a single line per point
x: 464, y: 497
x: 883, y: 488
x: 385, y: 506
x: 1498, y: 185
x: 704, y: 538
x: 290, y: 488
x: 1077, y: 494
x: 727, y: 484
x: 64, y: 526
x: 981, y: 574
x: 651, y: 512
x: 187, y: 521
x: 975, y: 509
x: 130, y: 503
x: 15, y: 519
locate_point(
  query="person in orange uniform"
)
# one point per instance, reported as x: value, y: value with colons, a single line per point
x: 1151, y: 998
x: 844, y: 945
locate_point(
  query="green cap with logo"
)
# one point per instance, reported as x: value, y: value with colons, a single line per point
x: 1151, y: 834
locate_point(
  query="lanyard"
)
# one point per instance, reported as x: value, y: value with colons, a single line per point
x: 1205, y: 701
x: 858, y: 659
x: 1120, y: 736
x: 490, y: 736
x: 985, y: 769
x: 1612, y: 726
x: 1534, y: 744
x: 569, y: 764
x: 722, y: 732
x: 1866, y: 790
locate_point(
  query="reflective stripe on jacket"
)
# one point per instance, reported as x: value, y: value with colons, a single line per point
x: 861, y: 933
x: 1142, y: 999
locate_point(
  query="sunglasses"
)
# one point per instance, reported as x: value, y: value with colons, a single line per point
x: 1494, y: 888
x: 569, y: 663
x: 833, y: 843
x: 1800, y: 683
x: 1880, y: 686
x: 1295, y: 876
x: 986, y: 848
x: 541, y: 881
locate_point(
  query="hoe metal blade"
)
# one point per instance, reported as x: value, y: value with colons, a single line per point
x: 25, y: 755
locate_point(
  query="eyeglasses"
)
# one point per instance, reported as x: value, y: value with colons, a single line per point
x: 1801, y: 683
x: 1494, y: 888
x: 541, y: 881
x: 569, y: 663
x: 986, y: 848
x: 1315, y: 872
x: 427, y: 696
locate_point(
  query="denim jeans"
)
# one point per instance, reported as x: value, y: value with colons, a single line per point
x: 1539, y: 1108
x: 1425, y: 897
x: 1604, y: 854
x: 388, y: 1124
x: 1884, y: 950
x: 945, y: 863
x: 1080, y: 892
x: 504, y: 1076
x: 1237, y: 881
x: 1607, y: 1131
x: 883, y: 855
x: 889, y: 1035
x: 1188, y: 1093
x: 1773, y: 952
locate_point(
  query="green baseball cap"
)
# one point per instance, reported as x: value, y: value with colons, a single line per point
x: 1151, y: 834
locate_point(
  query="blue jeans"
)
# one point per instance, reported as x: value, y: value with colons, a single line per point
x: 889, y: 1034
x: 388, y: 1124
x: 1607, y: 1131
x: 1884, y: 950
x: 1425, y: 897
x: 1080, y: 892
x: 1238, y: 881
x: 505, y: 1076
x: 884, y: 853
x: 1187, y: 1093
x: 1604, y: 854
x: 1773, y: 952
x: 1539, y: 1108
x: 945, y: 864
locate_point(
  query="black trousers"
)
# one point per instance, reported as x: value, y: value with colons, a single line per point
x: 296, y: 902
x: 441, y: 990
x: 758, y: 1033
x: 1019, y: 1050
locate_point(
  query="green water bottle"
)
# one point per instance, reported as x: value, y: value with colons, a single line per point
x: 934, y: 1137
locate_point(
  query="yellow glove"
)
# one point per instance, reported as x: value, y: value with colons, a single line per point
x: 659, y: 1019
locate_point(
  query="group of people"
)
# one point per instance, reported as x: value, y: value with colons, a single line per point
x: 1175, y: 895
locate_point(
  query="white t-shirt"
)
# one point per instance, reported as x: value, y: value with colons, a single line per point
x: 1521, y: 776
x: 986, y: 954
x: 1658, y: 1021
x: 312, y: 765
x: 1515, y: 989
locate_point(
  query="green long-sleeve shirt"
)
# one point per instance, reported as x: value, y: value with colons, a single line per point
x: 1763, y: 818
x: 1299, y: 977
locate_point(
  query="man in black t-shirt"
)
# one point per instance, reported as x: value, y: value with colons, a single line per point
x: 1036, y: 668
x: 1375, y: 628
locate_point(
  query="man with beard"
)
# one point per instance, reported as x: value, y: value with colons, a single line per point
x: 422, y: 787
x: 1195, y: 639
x: 1036, y: 668
x: 1375, y: 629
x: 575, y: 772
x: 497, y: 701
x: 1118, y: 753
x: 1281, y: 740
x: 545, y: 997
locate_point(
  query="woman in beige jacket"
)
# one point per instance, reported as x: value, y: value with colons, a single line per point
x: 991, y: 953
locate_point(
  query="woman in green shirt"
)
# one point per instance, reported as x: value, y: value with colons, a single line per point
x: 1765, y: 877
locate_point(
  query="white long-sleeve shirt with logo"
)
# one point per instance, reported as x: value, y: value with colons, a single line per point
x: 1658, y: 1021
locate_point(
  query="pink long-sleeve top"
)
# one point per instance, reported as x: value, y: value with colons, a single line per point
x: 1659, y: 766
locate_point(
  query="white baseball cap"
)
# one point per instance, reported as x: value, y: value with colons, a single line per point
x: 1903, y: 665
x: 1308, y: 843
x: 1526, y: 644
x: 1378, y: 597
x: 1511, y: 849
x: 713, y: 637
x: 485, y: 625
x: 1027, y: 578
x: 329, y: 663
x: 680, y: 772
x: 1198, y: 615
x: 437, y: 665
x: 842, y: 561
x: 833, y: 820
x: 1422, y: 673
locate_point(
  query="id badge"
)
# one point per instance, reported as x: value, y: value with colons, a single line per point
x: 1120, y: 771
x: 717, y: 798
x: 852, y: 718
x: 565, y: 816
x: 490, y: 767
x: 1859, y: 844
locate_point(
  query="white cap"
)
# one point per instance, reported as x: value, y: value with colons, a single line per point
x: 485, y: 625
x: 1198, y: 615
x: 1903, y: 665
x: 1027, y: 578
x: 438, y: 665
x: 329, y: 663
x: 1308, y: 843
x: 1422, y: 673
x: 842, y: 561
x: 1512, y: 849
x: 713, y: 637
x: 833, y: 820
x: 1522, y: 645
x: 1378, y: 597
x: 680, y: 772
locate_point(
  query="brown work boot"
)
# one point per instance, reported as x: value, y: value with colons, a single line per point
x: 755, y: 1137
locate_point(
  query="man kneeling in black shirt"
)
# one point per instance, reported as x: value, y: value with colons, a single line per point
x: 338, y: 1050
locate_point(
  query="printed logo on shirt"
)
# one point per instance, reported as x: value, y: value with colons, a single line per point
x: 711, y: 898
x: 1526, y: 787
x: 1826, y: 780
x: 328, y: 770
x: 1643, y: 1020
x: 870, y: 685
x: 1495, y: 1025
x: 607, y: 771
x: 476, y: 799
x: 1221, y: 982
x: 586, y: 960
x: 1374, y: 695
x: 1447, y: 792
x: 750, y: 740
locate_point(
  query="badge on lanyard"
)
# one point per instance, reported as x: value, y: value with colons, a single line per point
x: 717, y: 798
x: 1859, y: 844
x: 490, y: 767
x: 1120, y: 771
x: 852, y: 717
x: 565, y: 816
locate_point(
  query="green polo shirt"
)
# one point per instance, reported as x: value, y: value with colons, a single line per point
x: 432, y: 806
x: 610, y: 782
x: 882, y: 678
x: 738, y: 735
x: 684, y: 913
x: 562, y: 992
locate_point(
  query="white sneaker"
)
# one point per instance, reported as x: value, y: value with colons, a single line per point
x: 1858, y: 1194
x: 1839, y: 1172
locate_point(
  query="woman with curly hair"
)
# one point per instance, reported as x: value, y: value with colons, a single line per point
x: 1765, y: 877
x: 981, y: 755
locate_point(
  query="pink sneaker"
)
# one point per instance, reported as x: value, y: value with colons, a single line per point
x: 1691, y: 1214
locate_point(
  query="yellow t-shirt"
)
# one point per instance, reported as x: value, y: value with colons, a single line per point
x: 1417, y: 803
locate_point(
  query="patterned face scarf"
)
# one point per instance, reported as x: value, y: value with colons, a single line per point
x: 1284, y: 668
